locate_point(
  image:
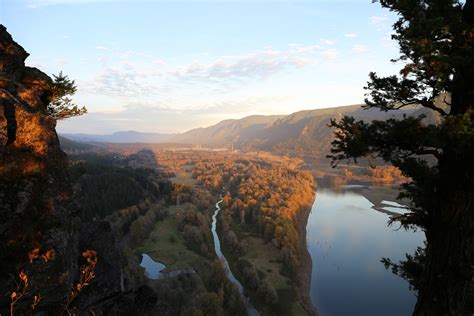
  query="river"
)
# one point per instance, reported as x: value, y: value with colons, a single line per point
x: 217, y: 246
x: 346, y: 240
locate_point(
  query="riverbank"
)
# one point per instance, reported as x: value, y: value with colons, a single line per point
x: 306, y: 264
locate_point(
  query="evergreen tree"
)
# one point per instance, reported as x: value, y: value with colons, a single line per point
x: 61, y: 106
x: 436, y: 39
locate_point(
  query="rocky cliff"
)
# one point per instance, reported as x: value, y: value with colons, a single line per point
x: 34, y: 190
x: 41, y: 236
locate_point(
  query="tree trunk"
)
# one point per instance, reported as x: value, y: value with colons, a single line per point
x: 448, y: 269
x: 447, y: 274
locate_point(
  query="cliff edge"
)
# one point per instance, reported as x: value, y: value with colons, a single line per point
x: 42, y: 238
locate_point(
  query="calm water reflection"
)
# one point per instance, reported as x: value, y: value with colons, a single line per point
x: 346, y: 240
x: 152, y: 268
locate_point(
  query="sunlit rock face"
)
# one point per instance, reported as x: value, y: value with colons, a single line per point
x: 41, y: 235
x: 26, y: 132
x: 35, y: 210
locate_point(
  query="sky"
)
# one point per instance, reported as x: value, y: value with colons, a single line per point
x: 170, y: 66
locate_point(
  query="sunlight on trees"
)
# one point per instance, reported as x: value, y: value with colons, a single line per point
x: 61, y: 105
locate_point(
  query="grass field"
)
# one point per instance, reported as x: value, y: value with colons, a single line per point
x: 184, y: 178
x: 166, y: 245
x: 262, y: 256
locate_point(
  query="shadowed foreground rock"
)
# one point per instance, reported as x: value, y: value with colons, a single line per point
x: 34, y: 191
x: 36, y: 211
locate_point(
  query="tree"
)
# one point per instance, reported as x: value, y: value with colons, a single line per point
x: 267, y: 293
x: 60, y: 105
x: 436, y: 40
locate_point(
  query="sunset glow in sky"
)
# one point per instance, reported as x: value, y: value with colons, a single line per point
x: 163, y: 66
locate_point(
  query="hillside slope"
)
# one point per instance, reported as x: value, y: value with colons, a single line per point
x: 303, y: 134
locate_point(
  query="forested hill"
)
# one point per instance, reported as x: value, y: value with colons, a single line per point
x: 304, y: 134
x: 224, y: 133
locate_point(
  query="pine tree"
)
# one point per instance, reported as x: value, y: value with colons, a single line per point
x: 436, y: 40
x: 61, y: 106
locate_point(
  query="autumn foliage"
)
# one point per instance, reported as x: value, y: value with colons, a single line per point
x: 261, y: 195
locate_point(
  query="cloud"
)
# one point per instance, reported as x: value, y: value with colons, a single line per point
x: 100, y: 47
x: 60, y: 62
x: 359, y: 49
x: 126, y: 77
x: 33, y: 4
x: 125, y: 81
x: 257, y: 65
x: 237, y: 107
x: 159, y: 62
x: 42, y: 3
x: 350, y: 35
x: 300, y: 49
x: 163, y: 116
x: 327, y: 42
x: 329, y: 53
x: 377, y: 20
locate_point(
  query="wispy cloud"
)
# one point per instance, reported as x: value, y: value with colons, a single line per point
x: 257, y: 65
x: 125, y: 81
x: 327, y: 41
x: 33, y: 4
x: 123, y: 78
x: 377, y: 20
x: 60, y: 62
x: 359, y: 49
x: 158, y: 62
x: 350, y: 35
x: 43, y: 3
x: 329, y: 53
x: 145, y: 115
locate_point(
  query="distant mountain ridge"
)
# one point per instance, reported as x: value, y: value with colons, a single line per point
x: 303, y: 134
x: 224, y: 133
x: 121, y: 137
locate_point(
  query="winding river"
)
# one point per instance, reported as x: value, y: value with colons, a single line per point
x: 217, y: 246
x: 347, y: 238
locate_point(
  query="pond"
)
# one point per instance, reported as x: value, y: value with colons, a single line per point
x: 152, y: 268
x: 347, y: 238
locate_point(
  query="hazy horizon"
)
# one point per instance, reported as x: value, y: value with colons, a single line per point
x: 137, y: 129
x: 170, y: 67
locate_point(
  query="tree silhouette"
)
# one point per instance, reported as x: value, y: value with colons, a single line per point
x: 436, y: 40
x: 60, y: 105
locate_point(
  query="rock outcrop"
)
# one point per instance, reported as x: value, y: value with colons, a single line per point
x: 40, y: 230
x: 35, y: 211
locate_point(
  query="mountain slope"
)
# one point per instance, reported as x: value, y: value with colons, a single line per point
x: 304, y: 134
x: 225, y: 133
